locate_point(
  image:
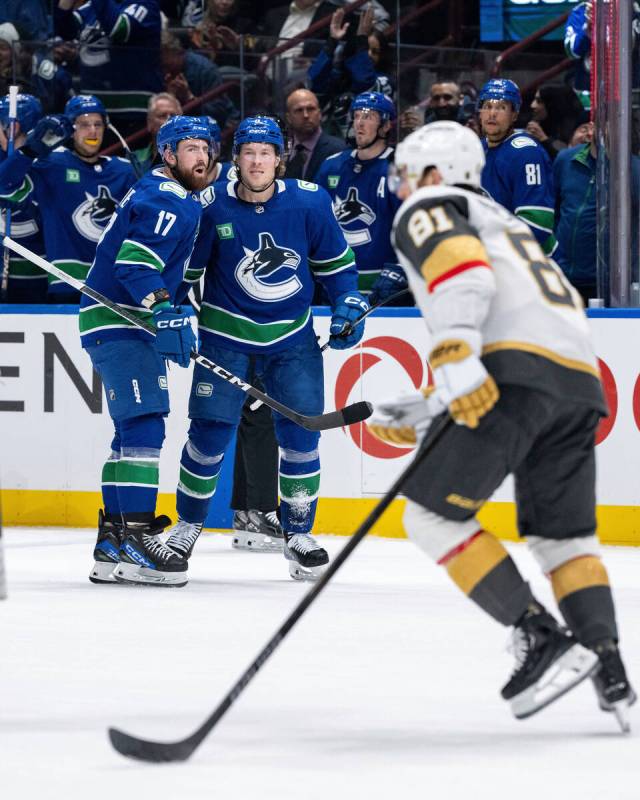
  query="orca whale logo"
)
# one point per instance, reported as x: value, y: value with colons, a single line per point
x: 268, y: 273
x: 350, y: 210
x: 93, y: 214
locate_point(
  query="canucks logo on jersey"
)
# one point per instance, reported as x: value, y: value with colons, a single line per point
x: 353, y: 209
x: 266, y: 273
x: 92, y: 215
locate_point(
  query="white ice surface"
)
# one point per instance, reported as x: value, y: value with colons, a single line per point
x: 387, y: 688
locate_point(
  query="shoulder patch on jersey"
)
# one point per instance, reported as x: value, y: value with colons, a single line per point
x: 172, y: 186
x: 307, y: 186
x: 522, y: 141
x: 207, y: 196
x: 46, y: 69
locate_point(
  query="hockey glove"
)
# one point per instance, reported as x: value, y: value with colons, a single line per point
x: 403, y: 420
x: 342, y: 333
x: 462, y: 382
x: 391, y: 280
x: 50, y: 132
x: 174, y: 335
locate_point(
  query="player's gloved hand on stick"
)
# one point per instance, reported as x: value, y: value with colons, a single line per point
x: 175, y: 338
x: 462, y: 382
x: 50, y: 132
x: 403, y: 420
x: 349, y: 306
x: 391, y: 280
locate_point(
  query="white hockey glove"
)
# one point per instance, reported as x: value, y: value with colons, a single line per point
x: 462, y: 382
x: 403, y: 420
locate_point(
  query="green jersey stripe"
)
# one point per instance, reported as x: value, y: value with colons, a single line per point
x: 538, y: 217
x: 131, y: 252
x: 75, y: 269
x: 220, y: 322
x: 94, y: 318
x: 138, y: 474
x: 19, y: 194
x: 300, y: 488
x: 346, y: 260
x: 193, y: 275
x: 109, y: 472
x: 23, y: 268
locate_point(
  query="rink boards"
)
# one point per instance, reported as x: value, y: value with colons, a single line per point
x: 55, y: 429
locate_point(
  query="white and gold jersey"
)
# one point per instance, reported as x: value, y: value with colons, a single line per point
x: 470, y: 263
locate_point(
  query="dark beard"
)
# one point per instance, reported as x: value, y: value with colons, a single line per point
x: 190, y: 181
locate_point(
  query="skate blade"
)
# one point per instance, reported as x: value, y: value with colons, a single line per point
x: 257, y: 542
x: 300, y: 573
x: 102, y: 572
x: 568, y: 671
x: 143, y: 576
x: 621, y: 711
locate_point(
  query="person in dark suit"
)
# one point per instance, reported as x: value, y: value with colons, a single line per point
x: 310, y: 144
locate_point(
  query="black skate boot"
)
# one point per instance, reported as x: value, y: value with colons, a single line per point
x: 259, y: 531
x: 305, y: 556
x: 143, y: 557
x: 106, y: 553
x: 612, y: 686
x: 183, y: 537
x: 549, y: 662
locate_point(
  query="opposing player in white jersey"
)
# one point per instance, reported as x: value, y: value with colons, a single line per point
x: 514, y: 366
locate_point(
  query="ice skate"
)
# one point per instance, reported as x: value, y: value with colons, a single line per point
x: 259, y: 531
x: 183, y: 537
x: 106, y: 553
x: 549, y: 663
x: 306, y: 558
x: 145, y: 560
x: 615, y: 693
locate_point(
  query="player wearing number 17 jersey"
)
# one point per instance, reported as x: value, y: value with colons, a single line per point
x: 514, y: 366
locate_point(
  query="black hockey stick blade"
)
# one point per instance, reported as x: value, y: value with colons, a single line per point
x: 159, y: 752
x: 349, y: 415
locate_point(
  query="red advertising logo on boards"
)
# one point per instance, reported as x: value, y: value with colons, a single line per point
x: 354, y: 368
x: 409, y: 359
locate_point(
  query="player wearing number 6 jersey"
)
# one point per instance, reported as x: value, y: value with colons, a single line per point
x: 142, y: 263
x: 514, y: 366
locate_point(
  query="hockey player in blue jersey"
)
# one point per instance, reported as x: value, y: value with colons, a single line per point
x: 76, y: 189
x: 357, y: 183
x: 517, y: 173
x: 143, y: 263
x: 119, y: 53
x: 27, y: 283
x: 266, y: 241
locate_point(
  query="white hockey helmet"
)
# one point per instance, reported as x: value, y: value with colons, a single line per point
x: 455, y: 150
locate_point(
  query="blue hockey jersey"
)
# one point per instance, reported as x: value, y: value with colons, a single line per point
x: 262, y: 261
x: 119, y: 51
x: 364, y: 207
x: 27, y: 283
x: 76, y: 201
x: 147, y: 246
x: 518, y: 175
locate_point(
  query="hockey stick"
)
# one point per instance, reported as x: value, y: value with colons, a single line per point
x: 133, y: 158
x: 6, y: 255
x: 356, y: 412
x: 350, y: 326
x: 157, y: 752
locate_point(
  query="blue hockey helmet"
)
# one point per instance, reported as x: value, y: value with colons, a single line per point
x: 214, y: 130
x: 29, y: 111
x: 500, y: 89
x: 375, y: 101
x: 258, y: 130
x: 178, y: 128
x: 84, y: 104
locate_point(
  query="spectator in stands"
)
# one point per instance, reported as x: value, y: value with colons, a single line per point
x: 188, y: 75
x: 30, y: 18
x: 517, y: 173
x: 574, y: 172
x: 161, y: 107
x: 556, y: 111
x: 344, y: 68
x: 310, y: 145
x: 289, y: 20
x: 446, y: 101
x: 14, y: 64
x: 119, y: 53
x: 582, y: 134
